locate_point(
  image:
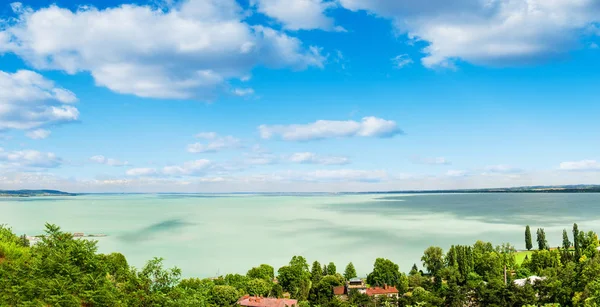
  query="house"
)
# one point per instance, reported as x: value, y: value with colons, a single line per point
x: 256, y: 301
x: 358, y: 284
x: 383, y: 291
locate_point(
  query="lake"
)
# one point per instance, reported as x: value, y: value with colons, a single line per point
x: 206, y: 235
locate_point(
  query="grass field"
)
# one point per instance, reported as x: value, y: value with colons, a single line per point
x: 520, y: 256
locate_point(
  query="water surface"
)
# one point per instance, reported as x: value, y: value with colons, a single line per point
x: 207, y: 235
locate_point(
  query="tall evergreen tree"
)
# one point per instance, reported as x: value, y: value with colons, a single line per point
x: 316, y: 272
x: 528, y: 243
x: 414, y: 270
x: 350, y: 271
x: 566, y: 245
x: 541, y: 239
x: 331, y: 269
x: 576, y: 242
x: 325, y: 273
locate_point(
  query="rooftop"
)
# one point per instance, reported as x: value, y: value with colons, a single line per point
x: 253, y: 301
x: 381, y: 290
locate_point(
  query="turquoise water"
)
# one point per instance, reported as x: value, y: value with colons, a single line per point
x: 210, y: 234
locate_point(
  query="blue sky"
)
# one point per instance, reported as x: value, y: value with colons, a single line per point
x: 298, y: 95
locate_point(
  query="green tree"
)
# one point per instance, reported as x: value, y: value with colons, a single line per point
x: 259, y: 287
x: 541, y: 239
x: 331, y: 269
x: 528, y: 244
x: 295, y: 278
x: 350, y: 271
x: 433, y: 261
x: 224, y: 295
x: 385, y: 272
x: 414, y: 270
x: 264, y: 271
x: 276, y: 291
x: 566, y: 246
x: 324, y: 289
x: 576, y: 242
x: 316, y: 272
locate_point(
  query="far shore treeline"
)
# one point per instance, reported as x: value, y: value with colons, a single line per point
x: 61, y: 270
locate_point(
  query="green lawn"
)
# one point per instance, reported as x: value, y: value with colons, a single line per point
x: 520, y: 256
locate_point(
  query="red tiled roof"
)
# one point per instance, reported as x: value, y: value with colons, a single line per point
x: 381, y: 291
x: 339, y: 290
x: 253, y: 301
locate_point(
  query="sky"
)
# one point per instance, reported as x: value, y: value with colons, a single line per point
x: 298, y: 95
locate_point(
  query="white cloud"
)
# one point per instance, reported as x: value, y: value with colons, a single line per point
x: 593, y: 46
x: 401, y: 60
x: 456, y: 173
x: 143, y: 171
x: 243, y: 92
x: 487, y: 32
x: 502, y: 169
x: 323, y: 129
x: 312, y: 158
x: 432, y: 161
x: 38, y: 134
x: 188, y: 50
x: 108, y: 161
x: 343, y: 175
x: 29, y: 101
x: 190, y: 168
x: 28, y: 159
x: 217, y: 143
x: 583, y: 165
x: 299, y: 14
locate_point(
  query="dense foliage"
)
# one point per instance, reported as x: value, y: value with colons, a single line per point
x: 61, y: 270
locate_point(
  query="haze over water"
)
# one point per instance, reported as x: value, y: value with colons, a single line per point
x: 207, y: 235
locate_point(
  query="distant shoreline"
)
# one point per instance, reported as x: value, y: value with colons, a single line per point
x: 528, y: 189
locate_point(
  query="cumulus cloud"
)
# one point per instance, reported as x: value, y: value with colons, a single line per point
x: 299, y: 14
x: 38, y: 134
x: 243, y: 92
x: 28, y: 159
x: 142, y: 171
x: 502, y: 169
x: 312, y: 158
x: 497, y: 32
x: 29, y: 101
x: 190, y: 168
x: 216, y: 143
x: 342, y: 175
x: 432, y: 161
x: 583, y: 165
x: 323, y: 129
x: 401, y: 60
x: 108, y: 161
x: 187, y: 50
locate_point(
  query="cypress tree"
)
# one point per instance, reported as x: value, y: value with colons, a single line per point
x: 566, y: 245
x: 541, y: 239
x: 576, y: 242
x: 528, y: 244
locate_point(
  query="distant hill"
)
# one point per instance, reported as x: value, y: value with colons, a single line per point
x: 33, y: 193
x: 579, y: 188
